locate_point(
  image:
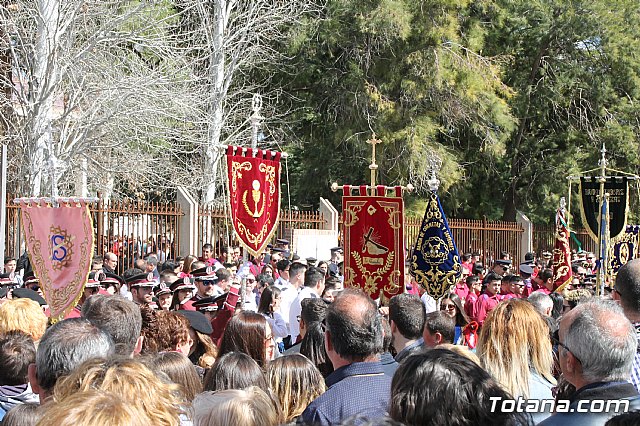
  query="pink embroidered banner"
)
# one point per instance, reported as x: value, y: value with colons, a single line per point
x: 60, y: 245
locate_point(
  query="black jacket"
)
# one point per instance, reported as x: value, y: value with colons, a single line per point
x: 583, y: 399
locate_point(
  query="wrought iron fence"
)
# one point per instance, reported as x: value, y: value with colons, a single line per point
x: 131, y: 229
x: 487, y: 238
x: 214, y: 225
x: 544, y: 239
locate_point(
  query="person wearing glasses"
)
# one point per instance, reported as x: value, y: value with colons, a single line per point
x: 205, y: 280
x: 250, y: 303
x: 501, y: 267
x: 465, y: 331
x: 596, y: 349
x: 358, y: 386
x: 517, y: 286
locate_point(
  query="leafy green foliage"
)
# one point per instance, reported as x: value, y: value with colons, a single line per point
x: 513, y: 95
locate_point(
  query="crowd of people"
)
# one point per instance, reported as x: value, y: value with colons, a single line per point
x: 278, y: 340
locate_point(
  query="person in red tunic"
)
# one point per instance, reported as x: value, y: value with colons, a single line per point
x: 461, y: 289
x: 505, y: 288
x: 488, y: 300
x: 544, y: 280
x: 517, y: 286
x: 475, y: 286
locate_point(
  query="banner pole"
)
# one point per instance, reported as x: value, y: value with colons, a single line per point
x: 3, y: 202
x: 602, y: 179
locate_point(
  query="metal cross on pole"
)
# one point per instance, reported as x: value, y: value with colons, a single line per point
x: 435, y: 163
x: 373, y: 166
x: 256, y: 119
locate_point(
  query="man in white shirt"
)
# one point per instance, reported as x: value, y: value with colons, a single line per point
x: 290, y: 281
x: 313, y: 287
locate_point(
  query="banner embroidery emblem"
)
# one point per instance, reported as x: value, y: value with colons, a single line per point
x: 618, y: 190
x: 254, y: 195
x: 60, y: 245
x: 373, y: 242
x: 435, y: 262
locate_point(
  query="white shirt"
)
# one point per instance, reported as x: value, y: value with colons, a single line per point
x: 279, y: 328
x: 288, y: 295
x: 430, y: 304
x: 296, y: 309
x: 250, y: 303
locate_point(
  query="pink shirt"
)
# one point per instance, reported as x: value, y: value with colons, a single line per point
x: 470, y: 305
x: 485, y: 304
x: 543, y: 290
x: 461, y: 290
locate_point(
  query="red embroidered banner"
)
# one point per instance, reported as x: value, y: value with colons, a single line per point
x: 373, y: 237
x: 562, y: 274
x: 60, y: 245
x: 253, y: 180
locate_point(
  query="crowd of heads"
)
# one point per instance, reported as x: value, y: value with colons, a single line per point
x: 129, y: 361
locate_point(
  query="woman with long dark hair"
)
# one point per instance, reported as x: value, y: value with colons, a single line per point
x: 269, y: 307
x: 313, y: 348
x: 234, y: 370
x: 249, y: 333
x: 465, y: 329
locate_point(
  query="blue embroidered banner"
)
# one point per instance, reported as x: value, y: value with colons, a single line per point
x: 435, y: 262
x: 624, y: 249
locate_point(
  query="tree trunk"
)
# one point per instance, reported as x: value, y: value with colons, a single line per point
x: 43, y: 93
x: 217, y: 69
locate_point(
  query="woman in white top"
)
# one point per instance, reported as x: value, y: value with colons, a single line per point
x: 269, y: 307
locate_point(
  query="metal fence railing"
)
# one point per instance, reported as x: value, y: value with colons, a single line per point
x: 131, y: 229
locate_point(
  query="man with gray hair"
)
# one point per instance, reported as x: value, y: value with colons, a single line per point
x: 596, y: 345
x: 63, y: 347
x: 627, y: 292
x: 542, y: 302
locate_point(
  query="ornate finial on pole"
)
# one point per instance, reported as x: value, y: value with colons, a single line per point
x: 256, y: 119
x: 373, y: 166
x: 603, y: 159
x: 563, y: 204
x: 435, y: 163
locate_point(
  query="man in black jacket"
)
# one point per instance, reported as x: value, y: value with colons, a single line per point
x: 597, y: 344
